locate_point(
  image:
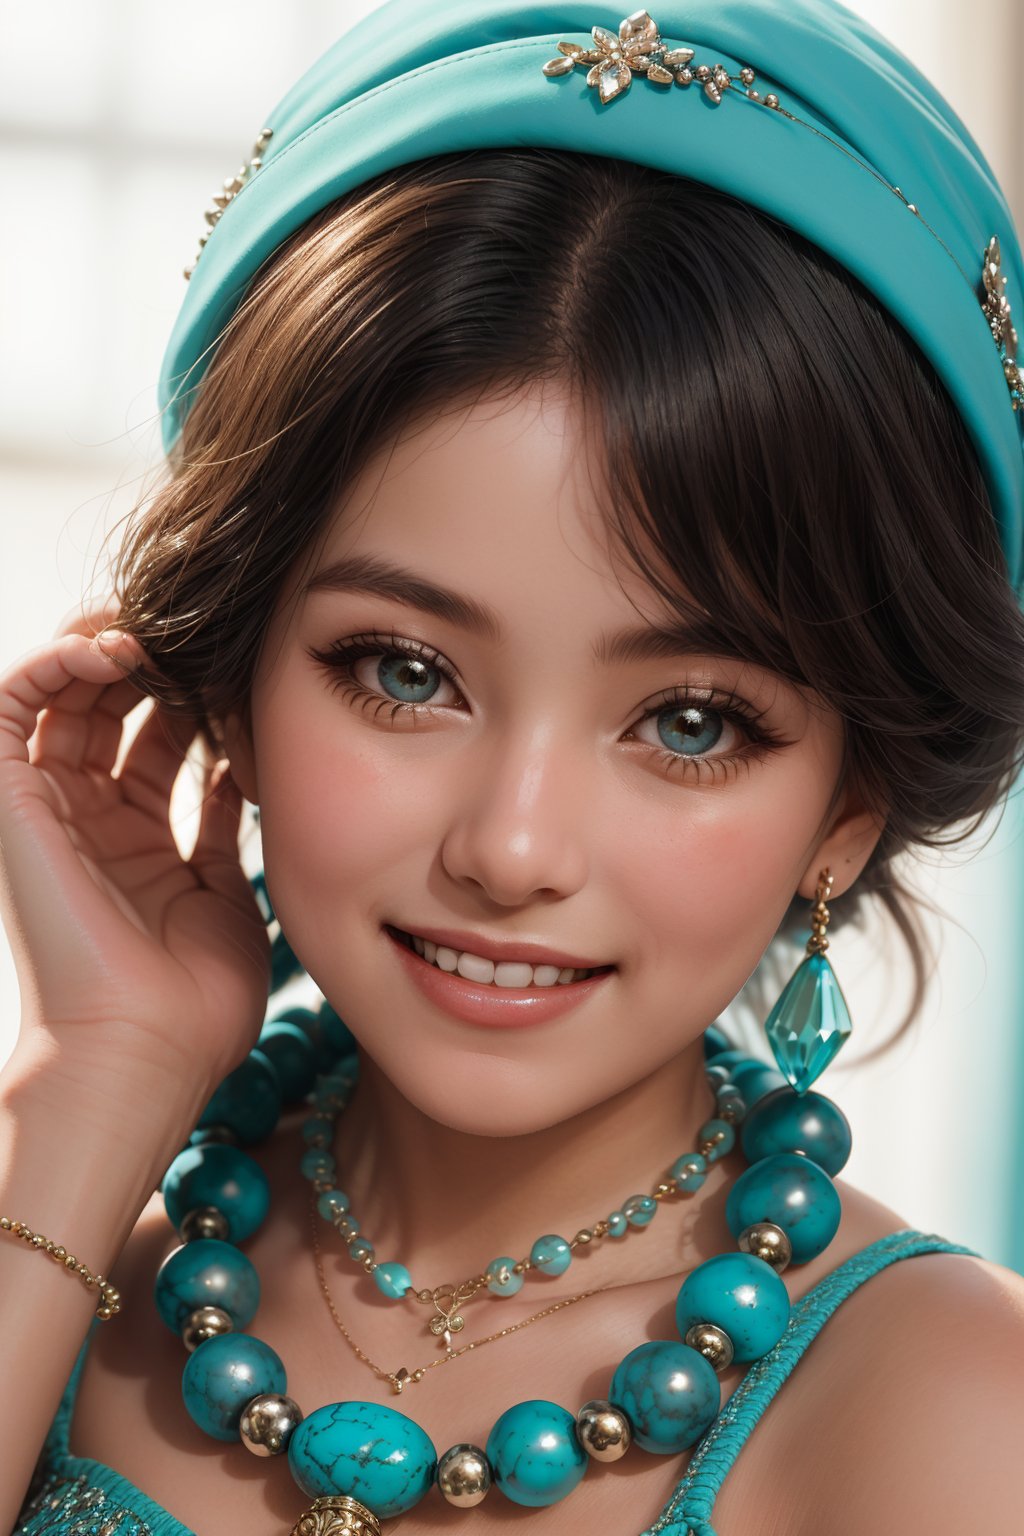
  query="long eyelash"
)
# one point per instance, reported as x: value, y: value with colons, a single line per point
x: 762, y: 738
x: 340, y: 656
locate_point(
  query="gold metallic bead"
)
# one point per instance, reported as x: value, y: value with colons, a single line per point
x: 747, y: 75
x: 336, y: 1514
x: 712, y: 1342
x: 267, y: 1421
x: 202, y: 1324
x: 604, y: 1431
x: 768, y: 1242
x: 464, y: 1475
x: 204, y: 1221
x: 584, y: 1236
x: 666, y: 1187
x: 771, y: 100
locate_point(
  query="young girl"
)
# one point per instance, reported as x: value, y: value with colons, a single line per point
x: 591, y: 540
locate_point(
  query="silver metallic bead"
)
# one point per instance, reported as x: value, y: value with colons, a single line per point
x: 604, y: 1431
x: 464, y: 1475
x: 204, y: 1323
x: 204, y: 1221
x: 767, y: 1241
x: 267, y: 1422
x: 712, y: 1342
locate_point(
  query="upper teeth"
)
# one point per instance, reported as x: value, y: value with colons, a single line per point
x: 506, y: 973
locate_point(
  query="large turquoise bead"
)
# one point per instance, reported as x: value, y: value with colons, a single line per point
x: 369, y: 1451
x: 715, y: 1040
x: 290, y: 1052
x: 316, y: 1031
x: 795, y: 1194
x: 535, y: 1453
x: 741, y: 1294
x: 248, y: 1100
x: 221, y: 1176
x: 787, y: 1121
x: 755, y: 1079
x: 668, y: 1391
x: 206, y: 1273
x: 223, y: 1374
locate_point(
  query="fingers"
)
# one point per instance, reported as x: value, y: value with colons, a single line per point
x: 39, y: 677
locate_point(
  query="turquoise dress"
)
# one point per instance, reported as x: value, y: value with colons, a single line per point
x: 76, y: 1496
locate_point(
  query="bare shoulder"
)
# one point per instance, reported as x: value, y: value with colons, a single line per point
x: 927, y: 1434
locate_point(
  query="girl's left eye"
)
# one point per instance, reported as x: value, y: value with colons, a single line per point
x: 689, y: 724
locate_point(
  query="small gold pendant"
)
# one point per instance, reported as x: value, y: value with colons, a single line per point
x: 337, y: 1515
x: 447, y: 1319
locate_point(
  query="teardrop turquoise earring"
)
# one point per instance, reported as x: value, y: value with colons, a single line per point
x: 810, y: 1021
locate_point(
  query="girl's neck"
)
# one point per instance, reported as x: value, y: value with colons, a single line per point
x: 445, y: 1202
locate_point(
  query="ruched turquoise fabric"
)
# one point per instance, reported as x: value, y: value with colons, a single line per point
x: 77, y: 1496
x: 411, y: 80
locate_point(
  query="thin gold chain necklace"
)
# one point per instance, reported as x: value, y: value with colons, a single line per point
x: 402, y: 1377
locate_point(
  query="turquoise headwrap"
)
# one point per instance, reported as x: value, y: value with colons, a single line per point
x: 898, y: 191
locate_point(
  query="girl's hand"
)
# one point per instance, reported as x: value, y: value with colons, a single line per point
x: 128, y: 956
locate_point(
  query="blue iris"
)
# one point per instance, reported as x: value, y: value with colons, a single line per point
x: 409, y: 672
x: 689, y: 724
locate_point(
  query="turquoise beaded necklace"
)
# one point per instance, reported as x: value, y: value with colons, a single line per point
x: 664, y: 1394
x: 363, y: 1462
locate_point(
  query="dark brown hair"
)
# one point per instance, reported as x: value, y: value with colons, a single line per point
x: 769, y: 436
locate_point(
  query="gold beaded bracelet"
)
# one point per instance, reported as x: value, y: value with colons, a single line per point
x: 110, y: 1296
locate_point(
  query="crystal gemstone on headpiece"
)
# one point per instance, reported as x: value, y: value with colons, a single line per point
x: 638, y: 49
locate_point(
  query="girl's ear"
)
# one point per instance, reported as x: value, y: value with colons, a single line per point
x: 238, y: 749
x: 845, y: 849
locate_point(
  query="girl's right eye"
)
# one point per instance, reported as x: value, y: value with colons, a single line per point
x: 406, y: 665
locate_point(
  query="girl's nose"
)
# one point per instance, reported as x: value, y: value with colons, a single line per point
x: 520, y: 827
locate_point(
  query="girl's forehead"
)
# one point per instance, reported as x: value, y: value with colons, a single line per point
x: 508, y: 489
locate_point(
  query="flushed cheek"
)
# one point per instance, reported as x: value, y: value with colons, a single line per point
x: 713, y: 886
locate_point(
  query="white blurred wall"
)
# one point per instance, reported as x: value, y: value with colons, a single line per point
x: 118, y: 118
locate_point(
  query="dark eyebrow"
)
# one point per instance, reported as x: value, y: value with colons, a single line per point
x: 371, y: 573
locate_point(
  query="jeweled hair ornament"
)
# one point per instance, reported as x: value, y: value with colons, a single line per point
x: 802, y: 110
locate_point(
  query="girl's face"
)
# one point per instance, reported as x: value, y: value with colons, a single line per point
x: 654, y: 812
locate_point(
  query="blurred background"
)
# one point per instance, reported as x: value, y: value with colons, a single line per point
x: 118, y: 119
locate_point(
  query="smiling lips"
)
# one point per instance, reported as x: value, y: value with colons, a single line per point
x: 521, y: 1000
x: 501, y: 973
